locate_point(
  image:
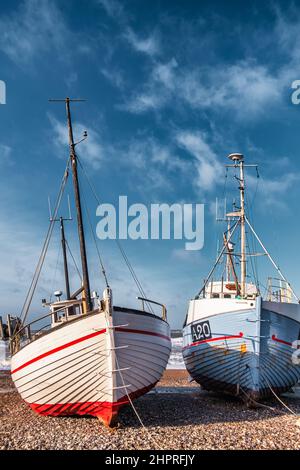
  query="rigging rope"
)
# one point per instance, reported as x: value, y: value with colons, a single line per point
x: 31, y: 290
x: 74, y: 261
x: 95, y: 241
x: 254, y: 264
x: 55, y: 272
x: 235, y: 225
x: 225, y: 183
x: 125, y: 257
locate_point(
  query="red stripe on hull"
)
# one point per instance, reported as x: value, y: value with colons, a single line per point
x: 59, y: 348
x: 107, y: 412
x: 142, y: 332
x: 84, y: 338
x: 281, y: 341
x: 220, y: 338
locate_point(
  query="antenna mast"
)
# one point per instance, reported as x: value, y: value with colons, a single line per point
x: 73, y: 157
x: 238, y: 162
x: 243, y: 229
x: 61, y: 221
x: 66, y: 271
x: 228, y: 257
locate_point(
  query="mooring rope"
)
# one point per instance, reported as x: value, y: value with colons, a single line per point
x: 260, y: 405
x: 277, y: 397
x: 128, y: 394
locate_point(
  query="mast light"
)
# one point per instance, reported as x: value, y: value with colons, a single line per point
x: 236, y: 157
x: 58, y: 294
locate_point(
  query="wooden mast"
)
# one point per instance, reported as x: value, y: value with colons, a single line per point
x: 85, y: 273
x: 73, y: 157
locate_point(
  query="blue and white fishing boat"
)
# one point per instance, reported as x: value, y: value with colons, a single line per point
x: 237, y: 340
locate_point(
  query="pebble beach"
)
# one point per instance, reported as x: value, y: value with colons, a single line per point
x: 177, y: 415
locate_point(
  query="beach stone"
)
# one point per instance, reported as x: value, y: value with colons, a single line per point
x: 191, y: 419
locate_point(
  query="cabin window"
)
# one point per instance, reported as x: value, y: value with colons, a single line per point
x: 227, y: 296
x: 215, y: 296
x: 74, y: 310
x: 60, y: 312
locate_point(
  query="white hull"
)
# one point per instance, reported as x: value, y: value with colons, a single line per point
x: 91, y: 365
x: 242, y: 347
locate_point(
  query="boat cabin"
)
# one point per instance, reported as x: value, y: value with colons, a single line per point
x: 228, y: 290
x: 65, y: 310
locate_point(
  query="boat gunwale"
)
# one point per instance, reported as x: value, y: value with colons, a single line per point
x: 185, y: 325
x: 85, y: 315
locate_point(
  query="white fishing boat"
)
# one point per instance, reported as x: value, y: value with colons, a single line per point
x: 237, y: 340
x: 86, y: 356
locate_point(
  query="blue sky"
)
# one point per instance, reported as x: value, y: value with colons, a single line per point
x: 171, y: 89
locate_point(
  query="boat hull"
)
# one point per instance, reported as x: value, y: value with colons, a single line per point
x: 93, y: 365
x: 246, y: 352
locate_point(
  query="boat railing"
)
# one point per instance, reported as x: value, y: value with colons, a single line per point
x: 148, y: 301
x: 2, y: 329
x: 278, y: 290
x: 26, y: 334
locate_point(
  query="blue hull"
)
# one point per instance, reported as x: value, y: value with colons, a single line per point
x: 245, y: 353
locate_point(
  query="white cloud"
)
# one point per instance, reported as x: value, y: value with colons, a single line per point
x: 114, y: 76
x: 150, y: 157
x: 245, y: 87
x: 90, y: 150
x: 272, y: 189
x: 5, y: 155
x: 35, y: 27
x: 142, y: 152
x: 287, y: 33
x: 154, y: 166
x: 186, y: 256
x: 157, y: 91
x: 144, y: 102
x: 209, y: 168
x: 148, y: 45
x: 249, y: 87
x: 281, y: 184
x: 71, y: 79
x: 113, y: 8
x: 166, y: 73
